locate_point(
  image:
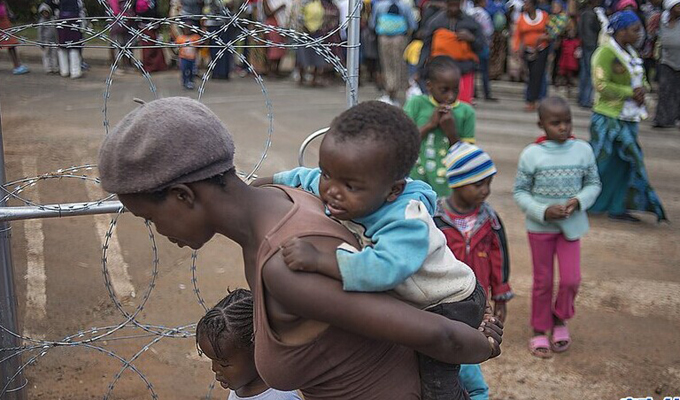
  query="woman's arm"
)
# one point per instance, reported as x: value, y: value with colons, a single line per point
x: 374, y: 315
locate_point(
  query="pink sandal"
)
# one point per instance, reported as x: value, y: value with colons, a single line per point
x: 560, y: 334
x: 539, y: 346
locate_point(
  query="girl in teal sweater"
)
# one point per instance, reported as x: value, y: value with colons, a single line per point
x: 557, y: 180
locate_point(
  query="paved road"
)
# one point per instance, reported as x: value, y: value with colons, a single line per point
x: 625, y: 332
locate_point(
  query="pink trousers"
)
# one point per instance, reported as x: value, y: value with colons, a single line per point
x: 544, y: 247
x: 466, y: 87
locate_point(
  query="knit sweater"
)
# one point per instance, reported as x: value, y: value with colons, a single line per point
x: 551, y: 173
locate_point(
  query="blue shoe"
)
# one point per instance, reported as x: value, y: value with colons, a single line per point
x: 20, y: 70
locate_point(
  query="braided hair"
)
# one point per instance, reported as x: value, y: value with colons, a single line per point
x: 231, y: 318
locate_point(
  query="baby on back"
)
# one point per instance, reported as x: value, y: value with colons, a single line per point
x: 364, y: 161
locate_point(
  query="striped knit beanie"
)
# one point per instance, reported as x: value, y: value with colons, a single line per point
x: 466, y: 163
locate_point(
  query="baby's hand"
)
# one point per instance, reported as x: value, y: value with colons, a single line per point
x: 300, y: 255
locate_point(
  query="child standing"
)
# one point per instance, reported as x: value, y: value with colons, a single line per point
x: 442, y: 120
x: 557, y: 181
x: 225, y: 336
x: 187, y: 56
x: 474, y: 231
x: 476, y: 236
x: 403, y: 251
x: 47, y: 34
x: 570, y: 54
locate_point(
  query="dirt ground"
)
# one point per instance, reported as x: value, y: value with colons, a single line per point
x: 626, y: 331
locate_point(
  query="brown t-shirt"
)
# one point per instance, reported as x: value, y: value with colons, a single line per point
x: 337, y: 364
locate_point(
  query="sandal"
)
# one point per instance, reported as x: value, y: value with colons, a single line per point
x: 539, y: 346
x: 560, y: 340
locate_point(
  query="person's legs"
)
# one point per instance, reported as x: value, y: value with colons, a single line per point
x: 536, y: 76
x: 569, y: 259
x: 543, y: 247
x: 585, y: 87
x: 669, y: 86
x: 472, y: 379
x: 466, y: 88
x: 184, y: 71
x: 486, y: 81
x: 615, y: 175
x: 14, y: 56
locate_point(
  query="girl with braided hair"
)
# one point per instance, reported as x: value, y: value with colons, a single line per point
x: 225, y: 336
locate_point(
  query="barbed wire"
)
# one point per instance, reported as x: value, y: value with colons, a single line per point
x: 96, y: 339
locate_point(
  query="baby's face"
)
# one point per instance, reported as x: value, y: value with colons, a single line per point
x: 354, y: 177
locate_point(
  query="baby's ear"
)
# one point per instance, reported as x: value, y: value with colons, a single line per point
x: 397, y: 190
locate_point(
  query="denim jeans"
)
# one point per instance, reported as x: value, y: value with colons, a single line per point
x: 484, y: 70
x: 187, y: 68
x: 439, y: 380
x: 585, y: 79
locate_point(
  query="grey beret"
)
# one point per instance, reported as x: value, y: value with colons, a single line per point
x: 164, y: 142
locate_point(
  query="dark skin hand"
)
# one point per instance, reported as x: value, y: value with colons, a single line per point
x: 639, y: 95
x: 556, y: 212
x: 572, y: 205
x: 444, y: 119
x: 448, y: 125
x: 465, y: 35
x: 500, y: 310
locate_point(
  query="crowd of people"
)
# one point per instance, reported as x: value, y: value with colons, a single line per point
x: 393, y: 283
x: 540, y: 42
x: 407, y: 294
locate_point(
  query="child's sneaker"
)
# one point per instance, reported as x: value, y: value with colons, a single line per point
x: 189, y: 86
x: 20, y: 70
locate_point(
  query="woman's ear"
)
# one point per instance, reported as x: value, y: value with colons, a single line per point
x: 397, y: 189
x: 183, y: 193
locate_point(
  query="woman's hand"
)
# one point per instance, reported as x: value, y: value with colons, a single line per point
x: 492, y: 328
x: 500, y: 310
x: 639, y: 95
x: 465, y: 35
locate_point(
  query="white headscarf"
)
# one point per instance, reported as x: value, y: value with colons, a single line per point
x: 667, y: 5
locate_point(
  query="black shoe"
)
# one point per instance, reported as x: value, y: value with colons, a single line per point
x: 656, y: 125
x: 627, y: 217
x: 491, y: 99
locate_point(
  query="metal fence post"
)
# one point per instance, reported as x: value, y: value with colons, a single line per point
x: 353, y: 43
x: 8, y: 301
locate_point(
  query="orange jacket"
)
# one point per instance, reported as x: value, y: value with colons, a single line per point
x: 527, y: 33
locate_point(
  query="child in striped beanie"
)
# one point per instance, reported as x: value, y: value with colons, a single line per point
x: 475, y: 235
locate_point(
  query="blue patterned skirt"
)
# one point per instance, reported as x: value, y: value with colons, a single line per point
x: 625, y: 185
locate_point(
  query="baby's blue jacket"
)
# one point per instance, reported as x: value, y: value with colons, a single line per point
x: 394, y: 247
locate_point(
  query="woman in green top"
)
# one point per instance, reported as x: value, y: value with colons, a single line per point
x: 442, y: 121
x: 619, y: 81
